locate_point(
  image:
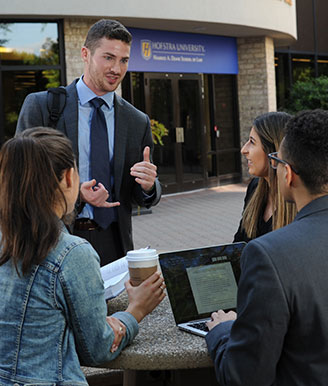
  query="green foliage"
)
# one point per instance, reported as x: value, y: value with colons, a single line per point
x: 53, y: 78
x: 158, y: 131
x: 309, y: 95
x: 12, y: 117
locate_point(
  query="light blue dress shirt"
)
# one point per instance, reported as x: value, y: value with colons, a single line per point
x: 85, y: 115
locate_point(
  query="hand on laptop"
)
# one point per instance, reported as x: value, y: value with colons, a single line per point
x: 220, y: 317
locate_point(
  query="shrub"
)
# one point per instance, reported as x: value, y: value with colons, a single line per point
x: 158, y: 131
x: 309, y: 95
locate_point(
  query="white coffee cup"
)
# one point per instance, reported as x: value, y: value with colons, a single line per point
x: 142, y: 263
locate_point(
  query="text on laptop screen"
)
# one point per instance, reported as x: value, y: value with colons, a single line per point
x: 200, y: 281
x: 212, y: 286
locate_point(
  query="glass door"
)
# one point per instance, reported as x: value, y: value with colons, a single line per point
x: 190, y: 123
x: 222, y: 137
x: 159, y: 106
x: 175, y: 101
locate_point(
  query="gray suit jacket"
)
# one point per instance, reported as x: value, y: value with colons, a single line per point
x: 280, y: 336
x: 132, y: 134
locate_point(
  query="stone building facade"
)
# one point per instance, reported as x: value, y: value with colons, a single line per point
x: 256, y: 83
x: 213, y: 108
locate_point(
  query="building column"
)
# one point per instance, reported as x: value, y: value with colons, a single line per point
x: 256, y: 83
x: 75, y: 31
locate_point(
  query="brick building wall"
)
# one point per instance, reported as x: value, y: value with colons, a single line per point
x: 256, y: 83
x: 75, y: 31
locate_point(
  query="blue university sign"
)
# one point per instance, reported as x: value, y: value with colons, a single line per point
x: 164, y: 51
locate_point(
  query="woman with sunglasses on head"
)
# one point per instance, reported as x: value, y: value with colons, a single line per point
x: 53, y: 313
x: 264, y: 208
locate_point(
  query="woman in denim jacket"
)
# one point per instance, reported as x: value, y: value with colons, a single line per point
x: 53, y: 310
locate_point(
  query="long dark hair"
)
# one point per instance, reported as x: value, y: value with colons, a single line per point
x: 270, y: 127
x: 31, y: 168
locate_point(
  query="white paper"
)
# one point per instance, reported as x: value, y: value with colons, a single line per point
x: 114, y: 275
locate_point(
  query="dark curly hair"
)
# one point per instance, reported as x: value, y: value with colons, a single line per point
x: 305, y: 147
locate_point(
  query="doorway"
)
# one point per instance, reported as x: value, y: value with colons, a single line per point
x: 175, y: 101
x: 222, y: 143
x: 200, y: 111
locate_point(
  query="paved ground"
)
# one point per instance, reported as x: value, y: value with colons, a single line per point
x: 189, y: 220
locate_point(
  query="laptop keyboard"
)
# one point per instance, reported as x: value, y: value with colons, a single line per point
x: 200, y: 326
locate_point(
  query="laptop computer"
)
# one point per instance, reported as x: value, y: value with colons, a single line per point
x: 201, y: 281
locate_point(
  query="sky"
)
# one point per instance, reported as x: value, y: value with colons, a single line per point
x: 28, y: 37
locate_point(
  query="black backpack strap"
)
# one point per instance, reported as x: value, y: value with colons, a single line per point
x: 56, y: 101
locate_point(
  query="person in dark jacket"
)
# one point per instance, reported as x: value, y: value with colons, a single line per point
x: 279, y: 336
x: 113, y: 142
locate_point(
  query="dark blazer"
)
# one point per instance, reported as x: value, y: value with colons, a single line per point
x: 280, y: 336
x: 263, y: 227
x: 132, y: 134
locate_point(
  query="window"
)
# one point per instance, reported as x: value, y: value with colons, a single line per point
x: 302, y: 67
x: 283, y: 80
x: 31, y: 59
x: 323, y: 65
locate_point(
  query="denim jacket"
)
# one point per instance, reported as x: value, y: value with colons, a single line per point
x: 54, y: 318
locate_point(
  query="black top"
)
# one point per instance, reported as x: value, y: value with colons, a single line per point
x: 262, y: 226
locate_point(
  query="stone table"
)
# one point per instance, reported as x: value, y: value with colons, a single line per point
x: 160, y: 345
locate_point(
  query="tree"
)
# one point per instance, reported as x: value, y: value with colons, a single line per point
x: 309, y: 95
x: 4, y: 28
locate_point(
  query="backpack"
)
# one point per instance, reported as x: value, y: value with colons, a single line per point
x: 56, y: 101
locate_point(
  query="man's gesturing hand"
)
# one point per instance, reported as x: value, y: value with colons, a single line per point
x: 95, y: 195
x: 145, y: 172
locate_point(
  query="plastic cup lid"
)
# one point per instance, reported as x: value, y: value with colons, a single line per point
x: 142, y: 254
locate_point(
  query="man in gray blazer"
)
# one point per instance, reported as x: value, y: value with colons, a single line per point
x: 133, y: 178
x: 280, y: 333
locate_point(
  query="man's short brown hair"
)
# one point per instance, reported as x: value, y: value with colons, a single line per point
x: 110, y: 29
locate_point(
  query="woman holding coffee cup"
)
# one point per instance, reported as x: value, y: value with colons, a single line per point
x: 53, y: 313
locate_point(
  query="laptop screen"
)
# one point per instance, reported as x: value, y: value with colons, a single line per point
x: 200, y: 281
